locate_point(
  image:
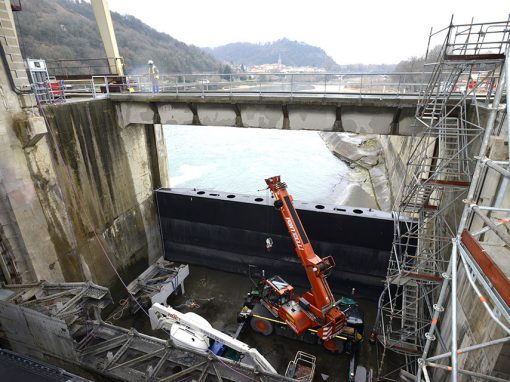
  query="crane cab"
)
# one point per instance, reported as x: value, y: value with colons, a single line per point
x: 278, y: 297
x: 276, y: 292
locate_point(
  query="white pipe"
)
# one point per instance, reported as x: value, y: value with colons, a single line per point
x: 454, y: 309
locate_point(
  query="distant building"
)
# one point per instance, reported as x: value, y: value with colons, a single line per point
x: 280, y: 68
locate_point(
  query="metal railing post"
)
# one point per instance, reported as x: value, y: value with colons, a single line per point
x: 272, y: 82
x: 454, y: 309
x: 504, y: 183
x: 438, y: 309
x: 93, y: 87
x: 483, y: 149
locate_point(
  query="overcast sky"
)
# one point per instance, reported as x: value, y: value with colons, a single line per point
x: 350, y: 31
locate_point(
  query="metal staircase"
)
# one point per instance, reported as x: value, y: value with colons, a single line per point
x: 410, y: 315
x: 439, y: 173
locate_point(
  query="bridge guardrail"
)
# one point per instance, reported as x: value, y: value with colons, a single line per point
x: 312, y: 84
x: 287, y: 83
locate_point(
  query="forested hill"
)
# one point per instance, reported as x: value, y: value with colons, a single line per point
x: 66, y: 29
x: 292, y: 53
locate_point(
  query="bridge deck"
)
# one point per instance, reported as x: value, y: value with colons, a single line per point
x: 272, y: 98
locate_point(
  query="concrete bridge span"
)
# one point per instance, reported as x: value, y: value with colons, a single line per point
x: 86, y: 175
x: 87, y: 170
x: 365, y: 114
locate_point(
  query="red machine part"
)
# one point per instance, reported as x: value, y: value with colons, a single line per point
x: 315, y: 308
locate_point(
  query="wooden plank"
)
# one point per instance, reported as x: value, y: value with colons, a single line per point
x: 457, y: 183
x: 474, y: 57
x: 495, y: 275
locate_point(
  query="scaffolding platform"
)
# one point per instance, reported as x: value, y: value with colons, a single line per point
x: 444, y: 182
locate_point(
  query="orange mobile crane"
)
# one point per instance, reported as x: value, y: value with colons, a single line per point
x: 314, y: 316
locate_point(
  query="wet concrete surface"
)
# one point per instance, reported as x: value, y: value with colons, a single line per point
x: 220, y: 296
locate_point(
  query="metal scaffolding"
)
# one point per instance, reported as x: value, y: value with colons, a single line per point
x: 62, y: 322
x: 443, y: 183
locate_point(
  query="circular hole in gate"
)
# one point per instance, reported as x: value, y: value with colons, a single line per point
x: 319, y: 206
x: 201, y: 192
x: 258, y: 199
x: 356, y: 211
x: 214, y: 194
x: 231, y: 196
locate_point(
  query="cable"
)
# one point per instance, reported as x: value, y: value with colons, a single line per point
x: 21, y: 39
x: 103, y: 249
x: 117, y: 315
x: 15, y: 89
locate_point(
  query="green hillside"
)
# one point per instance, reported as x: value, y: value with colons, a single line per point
x: 65, y: 29
x: 292, y: 53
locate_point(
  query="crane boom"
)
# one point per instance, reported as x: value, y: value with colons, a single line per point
x: 315, y: 267
x: 321, y: 299
x: 165, y: 316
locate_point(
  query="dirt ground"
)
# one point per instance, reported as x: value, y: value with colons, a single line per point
x: 220, y: 296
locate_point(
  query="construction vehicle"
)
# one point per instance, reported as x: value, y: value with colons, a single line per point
x: 315, y: 316
x: 193, y: 332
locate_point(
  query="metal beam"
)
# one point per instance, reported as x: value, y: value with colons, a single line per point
x: 105, y: 25
x: 177, y: 376
x: 119, y: 352
x: 154, y: 371
x: 105, y: 346
x: 467, y: 372
x: 469, y: 349
x: 136, y: 360
x: 218, y: 375
x: 453, y: 296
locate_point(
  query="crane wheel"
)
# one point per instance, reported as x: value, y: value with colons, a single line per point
x: 261, y: 326
x: 334, y: 346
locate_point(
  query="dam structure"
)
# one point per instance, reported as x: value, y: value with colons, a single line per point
x: 86, y: 201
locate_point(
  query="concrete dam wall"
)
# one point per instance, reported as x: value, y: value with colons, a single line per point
x: 92, y: 192
x: 229, y: 231
x: 84, y: 185
x: 106, y: 176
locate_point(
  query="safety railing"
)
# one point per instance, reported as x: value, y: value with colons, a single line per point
x: 286, y: 83
x: 50, y: 91
x: 293, y: 84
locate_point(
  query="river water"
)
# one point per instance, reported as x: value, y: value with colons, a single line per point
x: 238, y: 160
